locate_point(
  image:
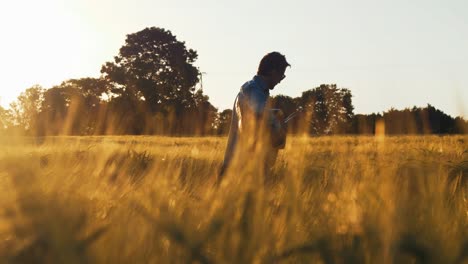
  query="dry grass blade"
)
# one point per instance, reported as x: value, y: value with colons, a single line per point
x: 83, y: 244
x: 408, y: 244
x: 175, y: 233
x: 150, y: 199
x: 463, y: 254
x: 320, y: 246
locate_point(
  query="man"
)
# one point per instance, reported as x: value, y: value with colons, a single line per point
x: 254, y: 127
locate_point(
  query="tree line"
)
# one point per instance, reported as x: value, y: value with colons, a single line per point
x: 153, y: 87
x: 329, y: 110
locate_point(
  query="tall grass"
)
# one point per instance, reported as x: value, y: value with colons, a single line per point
x: 154, y: 200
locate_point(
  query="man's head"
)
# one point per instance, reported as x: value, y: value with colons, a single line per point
x: 272, y: 68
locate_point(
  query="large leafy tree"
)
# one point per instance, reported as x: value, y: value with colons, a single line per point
x: 62, y: 110
x: 73, y: 106
x: 154, y: 67
x: 92, y: 90
x: 331, y: 109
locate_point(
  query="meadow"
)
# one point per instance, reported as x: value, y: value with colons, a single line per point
x: 143, y: 199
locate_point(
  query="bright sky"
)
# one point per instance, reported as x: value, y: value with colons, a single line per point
x: 393, y: 53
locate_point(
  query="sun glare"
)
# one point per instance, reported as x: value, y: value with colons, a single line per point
x: 43, y: 45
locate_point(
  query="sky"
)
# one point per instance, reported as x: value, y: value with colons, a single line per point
x: 389, y: 53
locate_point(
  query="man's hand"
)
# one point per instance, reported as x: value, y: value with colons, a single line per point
x: 277, y: 128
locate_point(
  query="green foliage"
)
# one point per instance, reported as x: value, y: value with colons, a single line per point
x: 152, y: 82
x: 331, y: 109
x: 224, y: 122
x: 27, y: 108
x: 72, y: 108
x: 154, y: 65
x: 328, y: 110
x: 151, y: 88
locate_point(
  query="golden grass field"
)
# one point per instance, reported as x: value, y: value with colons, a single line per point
x: 142, y: 199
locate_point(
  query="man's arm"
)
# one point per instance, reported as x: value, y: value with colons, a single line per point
x: 268, y: 122
x: 256, y: 101
x: 256, y: 114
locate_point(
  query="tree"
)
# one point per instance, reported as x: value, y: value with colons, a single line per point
x: 62, y: 110
x: 155, y: 67
x: 5, y: 121
x: 288, y: 105
x: 461, y: 125
x: 417, y: 120
x: 86, y: 96
x: 91, y: 89
x: 330, y: 108
x: 365, y: 124
x: 224, y: 122
x: 27, y: 108
x: 205, y: 114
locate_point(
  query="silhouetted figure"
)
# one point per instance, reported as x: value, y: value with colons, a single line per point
x: 255, y: 128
